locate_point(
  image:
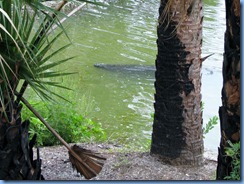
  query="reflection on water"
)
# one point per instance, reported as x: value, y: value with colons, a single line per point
x: 125, y: 33
x: 213, y: 42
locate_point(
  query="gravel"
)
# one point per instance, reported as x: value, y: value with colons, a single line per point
x: 123, y: 165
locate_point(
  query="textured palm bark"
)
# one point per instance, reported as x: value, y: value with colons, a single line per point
x: 229, y: 112
x: 16, y: 155
x: 177, y: 127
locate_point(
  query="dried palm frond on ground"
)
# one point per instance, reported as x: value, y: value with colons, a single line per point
x: 91, y: 164
x: 123, y: 165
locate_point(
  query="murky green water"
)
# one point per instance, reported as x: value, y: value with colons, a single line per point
x: 125, y: 33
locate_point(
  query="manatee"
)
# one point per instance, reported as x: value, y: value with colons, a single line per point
x: 140, y: 69
x: 124, y: 67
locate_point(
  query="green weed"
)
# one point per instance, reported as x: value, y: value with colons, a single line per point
x: 71, y: 126
x: 234, y: 152
x: 210, y: 125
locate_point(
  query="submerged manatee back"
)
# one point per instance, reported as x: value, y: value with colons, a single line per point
x: 121, y: 67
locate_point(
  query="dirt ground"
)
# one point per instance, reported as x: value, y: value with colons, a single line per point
x: 123, y: 165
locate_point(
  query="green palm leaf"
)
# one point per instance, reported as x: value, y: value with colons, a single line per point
x: 51, y: 65
x: 24, y: 43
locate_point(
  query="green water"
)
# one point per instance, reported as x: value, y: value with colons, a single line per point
x: 125, y: 33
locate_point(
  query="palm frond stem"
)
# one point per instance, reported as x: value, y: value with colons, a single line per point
x: 70, y: 14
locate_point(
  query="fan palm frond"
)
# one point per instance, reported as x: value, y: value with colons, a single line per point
x: 24, y: 44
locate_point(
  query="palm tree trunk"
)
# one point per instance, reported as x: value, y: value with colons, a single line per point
x: 229, y: 112
x: 177, y: 127
x: 16, y: 155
